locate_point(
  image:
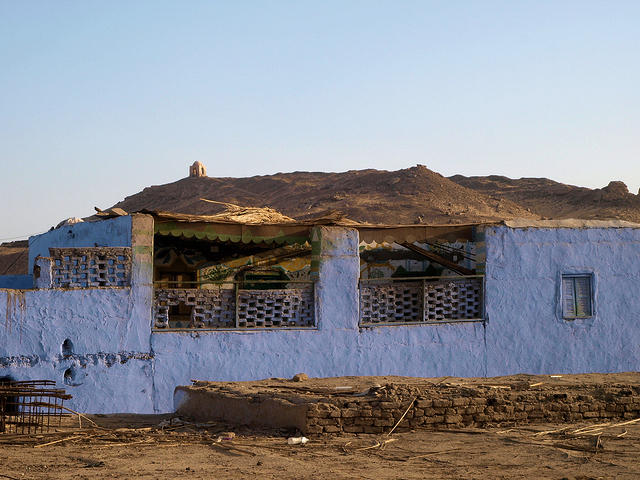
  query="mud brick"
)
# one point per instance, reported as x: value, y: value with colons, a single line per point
x: 363, y: 421
x: 332, y: 429
x: 467, y: 419
x: 353, y: 429
x: 590, y: 414
x: 478, y: 401
x: 434, y: 419
x: 424, y: 403
x: 460, y: 402
x: 366, y: 412
x: 440, y: 403
x: 554, y: 416
x: 388, y: 405
x: 328, y: 421
x: 376, y: 412
x: 481, y: 417
x: 417, y: 421
x: 310, y: 429
x: 418, y: 412
x: 312, y: 411
x: 612, y: 407
x: 509, y: 409
x: 471, y: 410
x: 350, y: 413
x: 383, y: 422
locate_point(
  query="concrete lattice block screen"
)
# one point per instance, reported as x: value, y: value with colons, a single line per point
x: 91, y: 267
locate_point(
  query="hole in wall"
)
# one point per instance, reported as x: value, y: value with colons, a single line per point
x: 69, y: 376
x: 67, y: 348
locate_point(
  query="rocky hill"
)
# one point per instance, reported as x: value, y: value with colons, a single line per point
x: 14, y: 257
x: 412, y: 195
x: 551, y: 199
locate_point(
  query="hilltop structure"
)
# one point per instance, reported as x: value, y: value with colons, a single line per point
x: 197, y: 170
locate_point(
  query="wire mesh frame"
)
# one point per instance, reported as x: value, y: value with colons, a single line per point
x: 29, y: 407
x: 425, y: 306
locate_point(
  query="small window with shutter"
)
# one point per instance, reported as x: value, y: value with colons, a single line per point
x: 577, y: 296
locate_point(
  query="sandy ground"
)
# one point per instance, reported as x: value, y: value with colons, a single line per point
x: 159, y: 446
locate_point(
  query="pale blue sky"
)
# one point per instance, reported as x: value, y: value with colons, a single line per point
x: 99, y: 99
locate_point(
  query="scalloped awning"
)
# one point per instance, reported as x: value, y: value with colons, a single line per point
x: 226, y: 232
x: 298, y: 232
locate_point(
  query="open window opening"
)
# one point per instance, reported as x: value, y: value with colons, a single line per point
x: 212, y: 284
x: 420, y: 283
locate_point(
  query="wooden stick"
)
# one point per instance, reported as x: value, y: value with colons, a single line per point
x: 7, y: 476
x: 625, y: 423
x: 81, y: 415
x: 594, y: 428
x: 590, y: 427
x: 403, y: 415
x: 550, y: 431
x: 122, y: 444
x: 232, y: 448
x: 378, y: 444
x: 62, y: 440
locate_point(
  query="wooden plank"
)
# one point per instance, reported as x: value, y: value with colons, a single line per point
x: 434, y: 257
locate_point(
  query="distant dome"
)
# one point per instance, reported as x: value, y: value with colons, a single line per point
x: 197, y: 170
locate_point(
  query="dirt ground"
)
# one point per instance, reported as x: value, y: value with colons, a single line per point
x: 163, y: 446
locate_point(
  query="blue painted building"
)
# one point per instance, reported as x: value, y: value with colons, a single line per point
x: 122, y: 310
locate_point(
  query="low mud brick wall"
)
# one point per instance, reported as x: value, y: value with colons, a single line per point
x: 377, y: 408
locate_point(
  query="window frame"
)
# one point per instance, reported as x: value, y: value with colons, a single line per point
x: 571, y: 277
